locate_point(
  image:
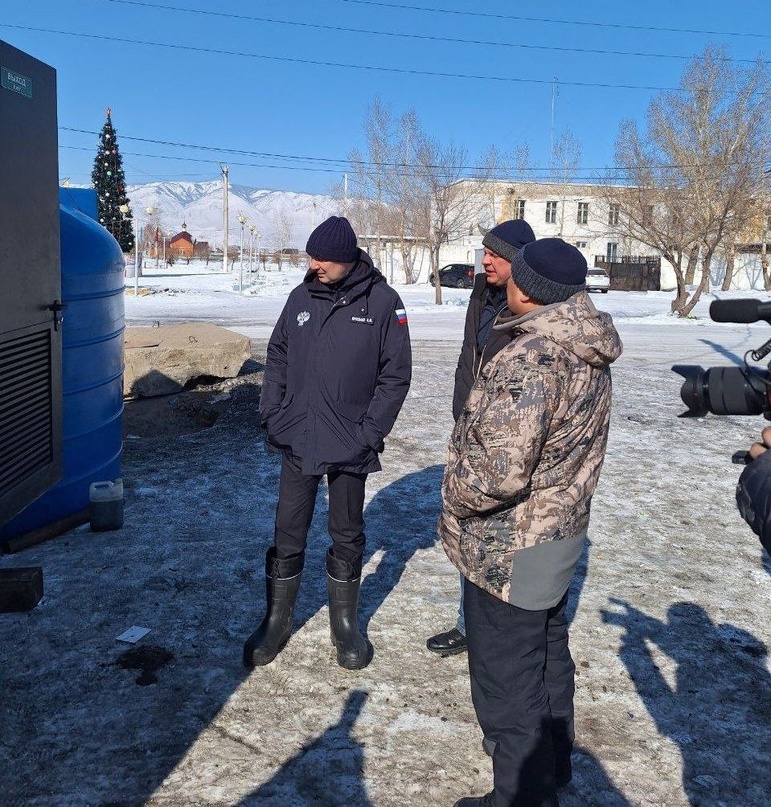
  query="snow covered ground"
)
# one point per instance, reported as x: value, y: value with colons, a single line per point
x: 670, y: 605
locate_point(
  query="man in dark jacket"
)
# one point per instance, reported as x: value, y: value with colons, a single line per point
x: 753, y: 492
x: 480, y: 344
x: 337, y: 372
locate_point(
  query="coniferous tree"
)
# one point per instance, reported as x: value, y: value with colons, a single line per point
x: 110, y: 186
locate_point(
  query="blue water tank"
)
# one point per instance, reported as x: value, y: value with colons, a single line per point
x: 92, y: 363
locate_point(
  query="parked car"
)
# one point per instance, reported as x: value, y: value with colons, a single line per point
x: 457, y: 275
x: 597, y: 280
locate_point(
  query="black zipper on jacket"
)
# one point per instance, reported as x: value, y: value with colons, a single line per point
x: 478, y: 369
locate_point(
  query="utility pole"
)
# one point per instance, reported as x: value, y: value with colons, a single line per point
x: 225, y: 170
x: 241, y: 220
x: 553, y: 103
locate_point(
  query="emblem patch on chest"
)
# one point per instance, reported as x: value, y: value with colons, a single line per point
x: 302, y: 318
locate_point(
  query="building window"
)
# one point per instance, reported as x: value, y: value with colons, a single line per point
x: 581, y: 244
x: 551, y: 212
x: 519, y: 209
x: 583, y: 213
x: 611, y: 252
x: 613, y: 213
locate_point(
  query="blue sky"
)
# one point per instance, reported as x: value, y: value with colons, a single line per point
x: 269, y: 77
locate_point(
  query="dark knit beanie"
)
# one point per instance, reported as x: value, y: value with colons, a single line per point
x: 549, y: 270
x: 508, y: 237
x: 333, y: 240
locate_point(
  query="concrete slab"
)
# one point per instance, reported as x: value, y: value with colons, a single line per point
x: 160, y: 361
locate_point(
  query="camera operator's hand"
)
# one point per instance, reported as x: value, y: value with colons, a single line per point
x: 753, y: 492
x: 756, y: 449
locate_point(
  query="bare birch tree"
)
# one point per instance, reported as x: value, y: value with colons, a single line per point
x: 449, y: 206
x: 493, y: 170
x: 403, y: 195
x: 407, y: 185
x: 564, y: 160
x: 698, y: 166
x: 370, y: 172
x: 282, y: 235
x: 765, y: 234
x: 498, y: 173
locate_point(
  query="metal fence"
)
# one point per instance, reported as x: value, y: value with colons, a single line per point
x: 632, y: 272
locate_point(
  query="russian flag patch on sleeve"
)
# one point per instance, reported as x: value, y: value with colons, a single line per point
x: 401, y: 316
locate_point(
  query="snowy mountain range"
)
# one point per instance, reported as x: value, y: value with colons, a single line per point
x: 282, y: 218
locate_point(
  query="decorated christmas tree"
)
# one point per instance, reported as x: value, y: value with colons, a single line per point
x: 110, y: 186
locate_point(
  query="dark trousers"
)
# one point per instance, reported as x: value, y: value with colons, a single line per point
x: 522, y: 686
x: 296, y: 501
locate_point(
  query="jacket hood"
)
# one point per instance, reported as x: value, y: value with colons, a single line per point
x: 575, y: 324
x: 363, y: 274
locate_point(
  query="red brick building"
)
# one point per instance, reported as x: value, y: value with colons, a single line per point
x: 181, y: 245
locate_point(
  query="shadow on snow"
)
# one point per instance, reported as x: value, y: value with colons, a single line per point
x: 326, y: 771
x: 716, y: 705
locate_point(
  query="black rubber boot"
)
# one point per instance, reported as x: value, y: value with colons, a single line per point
x: 282, y: 582
x: 343, y: 580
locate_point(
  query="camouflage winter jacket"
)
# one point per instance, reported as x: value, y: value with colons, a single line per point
x: 525, y: 454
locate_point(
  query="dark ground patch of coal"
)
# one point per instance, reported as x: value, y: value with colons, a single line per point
x: 147, y: 658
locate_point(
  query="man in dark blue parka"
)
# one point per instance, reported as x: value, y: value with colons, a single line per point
x: 337, y: 372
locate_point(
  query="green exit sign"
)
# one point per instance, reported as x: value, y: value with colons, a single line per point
x: 16, y: 82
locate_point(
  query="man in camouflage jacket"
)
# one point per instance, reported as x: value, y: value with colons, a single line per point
x: 523, y: 462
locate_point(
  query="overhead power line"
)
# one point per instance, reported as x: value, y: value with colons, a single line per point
x: 539, y: 174
x: 617, y: 26
x: 401, y: 35
x: 213, y: 160
x: 218, y: 149
x: 373, y: 68
x: 336, y: 165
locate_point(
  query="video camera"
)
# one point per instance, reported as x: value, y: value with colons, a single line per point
x: 742, y: 390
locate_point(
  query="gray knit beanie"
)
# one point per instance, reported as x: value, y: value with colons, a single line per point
x: 508, y: 237
x: 549, y: 270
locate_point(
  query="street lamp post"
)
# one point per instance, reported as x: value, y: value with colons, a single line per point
x: 149, y: 211
x: 252, y: 231
x: 124, y: 211
x: 157, y: 248
x: 241, y: 220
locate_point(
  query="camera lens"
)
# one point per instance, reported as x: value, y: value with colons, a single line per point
x: 694, y: 390
x: 735, y: 391
x: 723, y: 390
